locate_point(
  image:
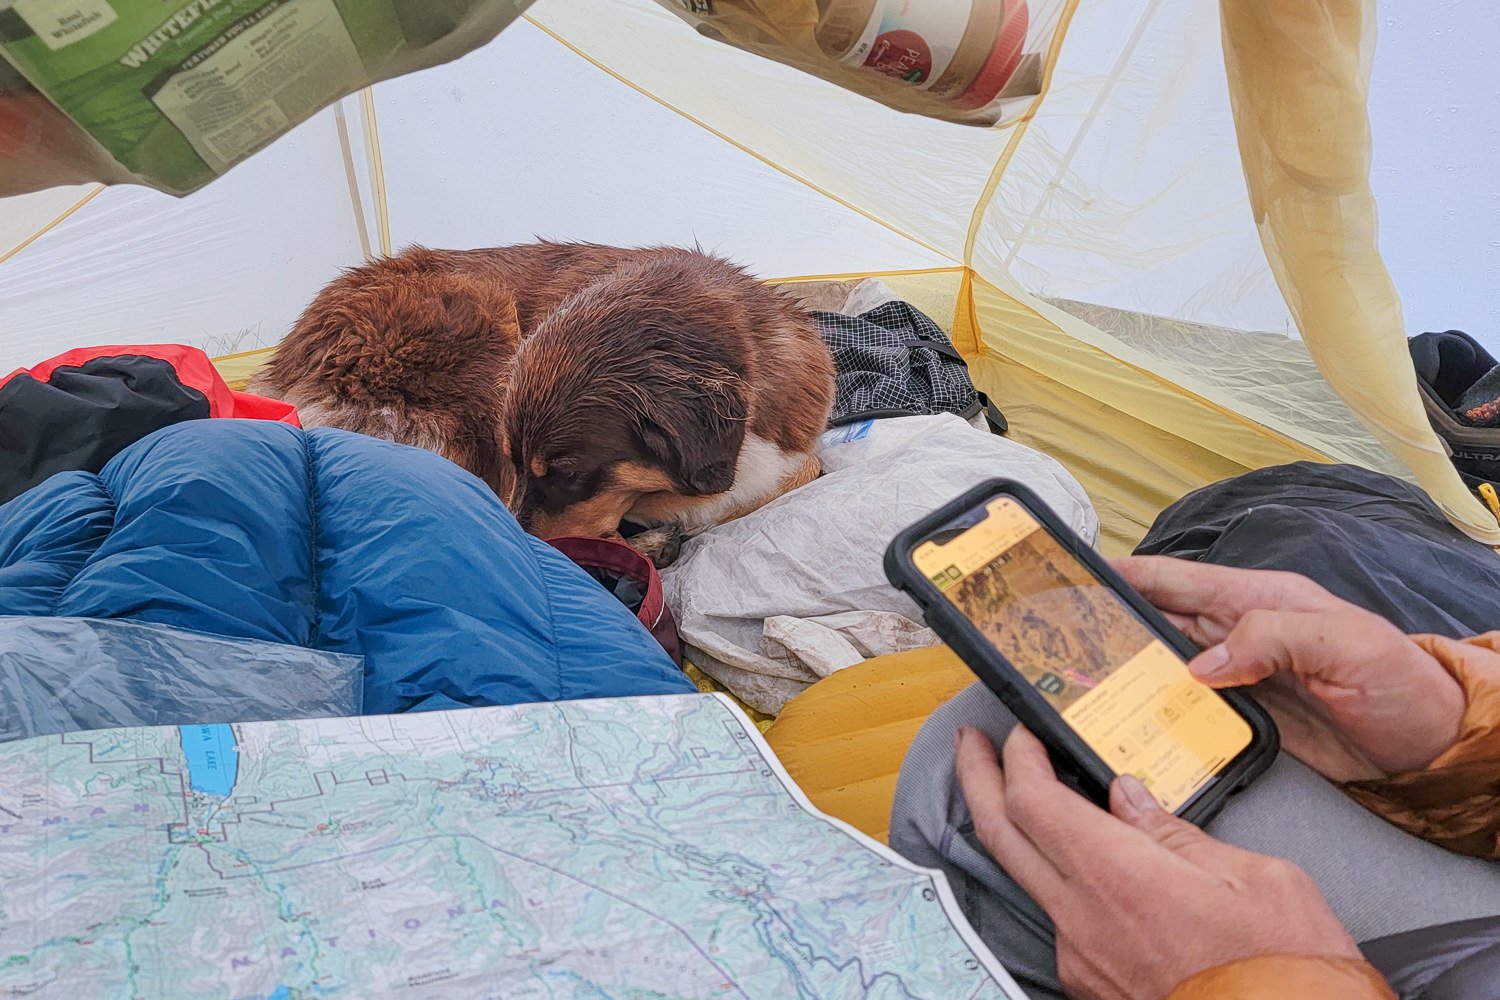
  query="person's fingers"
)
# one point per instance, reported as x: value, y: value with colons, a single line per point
x: 1221, y: 592
x: 980, y: 777
x: 1313, y: 645
x: 1180, y: 585
x: 1187, y: 596
x: 1250, y: 660
x: 1132, y: 802
x: 1389, y: 701
x: 1186, y: 624
x: 984, y: 788
x: 1204, y: 630
x: 1077, y: 837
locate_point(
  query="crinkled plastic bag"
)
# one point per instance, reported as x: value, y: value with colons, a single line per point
x: 976, y: 62
x: 775, y: 600
x: 60, y: 675
x: 173, y: 94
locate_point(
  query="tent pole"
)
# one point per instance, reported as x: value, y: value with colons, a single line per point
x: 377, y: 169
x: 349, y: 175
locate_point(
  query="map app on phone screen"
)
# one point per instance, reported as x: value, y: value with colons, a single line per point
x: 1124, y: 691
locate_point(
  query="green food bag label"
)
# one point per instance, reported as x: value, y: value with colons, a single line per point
x: 179, y: 92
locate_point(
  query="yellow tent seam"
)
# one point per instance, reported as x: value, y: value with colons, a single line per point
x: 966, y: 318
x: 1092, y: 116
x: 351, y: 178
x: 242, y: 354
x: 50, y: 226
x: 1223, y: 411
x: 992, y: 184
x: 377, y: 169
x: 975, y: 330
x: 742, y: 147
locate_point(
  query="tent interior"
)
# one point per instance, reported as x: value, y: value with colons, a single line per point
x: 1137, y: 309
x: 1099, y: 260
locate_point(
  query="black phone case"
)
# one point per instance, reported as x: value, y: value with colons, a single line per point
x: 1078, y: 765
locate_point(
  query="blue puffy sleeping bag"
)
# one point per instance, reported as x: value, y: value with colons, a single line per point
x: 333, y: 541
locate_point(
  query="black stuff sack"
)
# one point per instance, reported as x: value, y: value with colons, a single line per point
x: 893, y: 361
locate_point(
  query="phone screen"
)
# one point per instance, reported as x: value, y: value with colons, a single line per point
x: 1125, y: 692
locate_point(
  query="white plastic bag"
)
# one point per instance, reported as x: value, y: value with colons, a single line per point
x: 778, y: 599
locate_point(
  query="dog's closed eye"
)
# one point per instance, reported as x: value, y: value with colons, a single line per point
x: 562, y: 468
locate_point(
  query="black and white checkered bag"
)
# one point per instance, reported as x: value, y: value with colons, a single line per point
x: 895, y: 362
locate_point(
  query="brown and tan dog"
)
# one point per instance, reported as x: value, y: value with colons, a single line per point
x: 585, y: 384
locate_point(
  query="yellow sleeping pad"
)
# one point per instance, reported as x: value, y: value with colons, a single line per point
x: 843, y: 739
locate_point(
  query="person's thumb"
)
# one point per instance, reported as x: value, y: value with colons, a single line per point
x: 1259, y: 645
x: 1132, y: 802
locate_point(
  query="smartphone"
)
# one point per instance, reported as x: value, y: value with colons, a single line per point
x: 1085, y: 662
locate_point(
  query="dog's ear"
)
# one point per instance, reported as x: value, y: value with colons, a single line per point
x: 694, y: 424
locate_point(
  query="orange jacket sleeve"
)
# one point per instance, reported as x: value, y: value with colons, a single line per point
x: 1454, y: 802
x: 1277, y: 977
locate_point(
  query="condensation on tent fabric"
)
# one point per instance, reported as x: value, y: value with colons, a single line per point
x: 60, y: 675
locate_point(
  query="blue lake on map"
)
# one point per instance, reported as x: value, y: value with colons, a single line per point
x: 211, y: 757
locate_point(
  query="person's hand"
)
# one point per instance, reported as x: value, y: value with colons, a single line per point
x: 1353, y: 696
x: 1141, y: 900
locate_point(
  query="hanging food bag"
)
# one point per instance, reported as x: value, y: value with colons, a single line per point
x: 174, y: 93
x: 978, y: 62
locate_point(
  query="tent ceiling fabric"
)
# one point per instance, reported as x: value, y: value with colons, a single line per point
x: 23, y: 220
x: 574, y: 156
x: 919, y: 176
x: 1127, y: 190
x: 578, y: 156
x: 1122, y: 199
x: 1435, y: 115
x: 223, y: 270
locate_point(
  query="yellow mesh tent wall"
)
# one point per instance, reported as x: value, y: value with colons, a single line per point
x: 1139, y: 309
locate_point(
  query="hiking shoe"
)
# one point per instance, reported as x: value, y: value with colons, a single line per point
x: 1460, y: 385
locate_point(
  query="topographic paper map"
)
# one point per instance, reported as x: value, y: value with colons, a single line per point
x: 622, y: 848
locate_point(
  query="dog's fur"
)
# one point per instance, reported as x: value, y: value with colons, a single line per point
x: 585, y: 384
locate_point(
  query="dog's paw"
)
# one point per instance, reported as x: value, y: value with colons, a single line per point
x: 662, y: 545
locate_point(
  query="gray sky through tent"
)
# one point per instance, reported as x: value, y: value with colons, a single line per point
x: 1435, y: 108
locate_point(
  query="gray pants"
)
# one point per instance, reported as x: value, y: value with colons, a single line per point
x: 1378, y: 879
